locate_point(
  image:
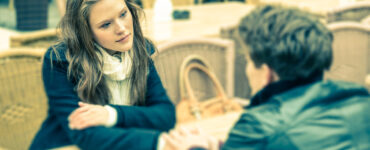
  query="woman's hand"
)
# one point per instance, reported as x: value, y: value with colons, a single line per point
x: 184, y: 139
x: 88, y: 115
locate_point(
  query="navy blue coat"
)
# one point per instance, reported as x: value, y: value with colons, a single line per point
x: 138, y: 127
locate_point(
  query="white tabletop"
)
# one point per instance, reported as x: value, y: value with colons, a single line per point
x: 205, y: 21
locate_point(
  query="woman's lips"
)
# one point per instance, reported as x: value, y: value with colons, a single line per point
x: 124, y: 39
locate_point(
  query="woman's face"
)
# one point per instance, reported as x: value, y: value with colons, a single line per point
x: 111, y: 25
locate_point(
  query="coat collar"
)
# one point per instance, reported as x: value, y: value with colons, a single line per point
x: 281, y: 86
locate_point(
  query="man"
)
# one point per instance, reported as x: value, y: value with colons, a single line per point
x: 287, y: 51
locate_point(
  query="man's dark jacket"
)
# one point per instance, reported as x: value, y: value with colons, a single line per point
x: 305, y: 114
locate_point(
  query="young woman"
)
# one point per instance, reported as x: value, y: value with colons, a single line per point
x: 103, y: 89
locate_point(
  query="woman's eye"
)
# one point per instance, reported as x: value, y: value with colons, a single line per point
x: 105, y: 25
x: 123, y: 14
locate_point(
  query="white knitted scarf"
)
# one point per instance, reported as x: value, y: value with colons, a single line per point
x: 117, y: 69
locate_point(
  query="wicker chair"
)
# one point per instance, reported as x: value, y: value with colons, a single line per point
x: 218, y: 53
x: 23, y: 102
x: 366, y: 20
x: 241, y: 87
x: 351, y: 52
x: 37, y: 39
x: 352, y: 12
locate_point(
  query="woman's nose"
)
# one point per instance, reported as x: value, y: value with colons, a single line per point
x: 120, y: 28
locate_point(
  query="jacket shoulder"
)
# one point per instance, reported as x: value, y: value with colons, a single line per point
x: 150, y: 47
x: 57, y: 52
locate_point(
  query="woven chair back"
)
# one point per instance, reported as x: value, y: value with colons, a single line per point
x: 352, y: 12
x: 23, y: 102
x: 351, y: 52
x: 219, y: 53
x: 38, y: 39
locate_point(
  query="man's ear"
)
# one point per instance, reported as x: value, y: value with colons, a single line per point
x: 269, y: 75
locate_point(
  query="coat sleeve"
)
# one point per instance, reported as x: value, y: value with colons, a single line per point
x: 259, y: 128
x: 159, y: 112
x: 63, y: 100
x: 246, y: 134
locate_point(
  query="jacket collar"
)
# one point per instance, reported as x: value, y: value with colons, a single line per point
x: 281, y: 86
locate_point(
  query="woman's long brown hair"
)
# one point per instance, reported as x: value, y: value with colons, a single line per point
x: 85, y: 68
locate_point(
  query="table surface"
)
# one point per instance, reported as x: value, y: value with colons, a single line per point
x: 218, y: 126
x: 205, y: 21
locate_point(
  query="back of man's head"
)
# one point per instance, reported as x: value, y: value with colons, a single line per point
x: 293, y: 43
